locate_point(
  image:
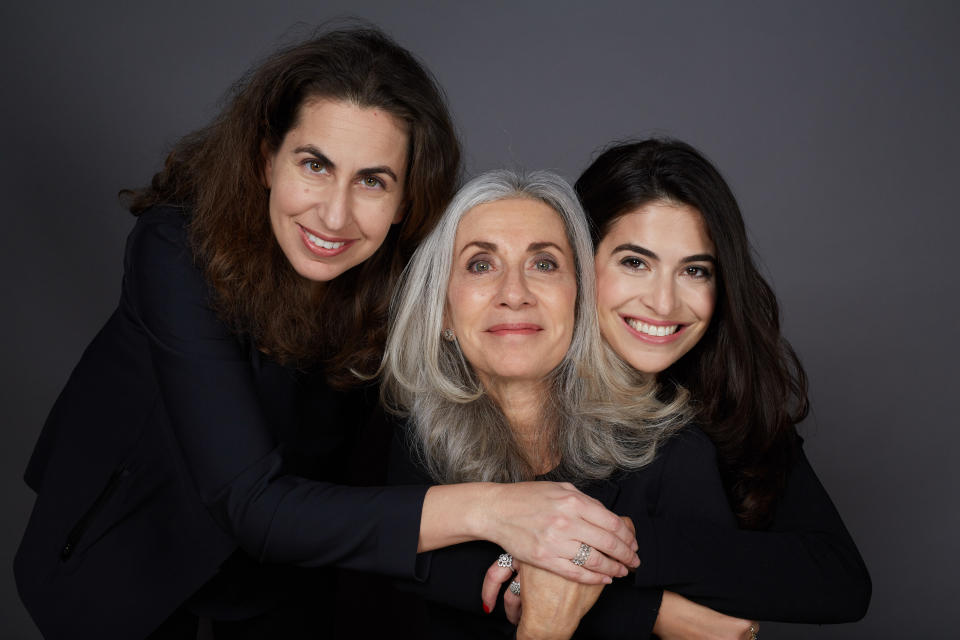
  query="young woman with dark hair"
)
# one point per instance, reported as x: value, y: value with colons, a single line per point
x: 196, y: 456
x: 748, y: 383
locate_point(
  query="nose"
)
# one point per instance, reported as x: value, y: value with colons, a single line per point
x: 662, y: 295
x: 335, y: 211
x: 514, y: 292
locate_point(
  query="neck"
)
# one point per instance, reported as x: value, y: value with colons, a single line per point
x: 522, y: 404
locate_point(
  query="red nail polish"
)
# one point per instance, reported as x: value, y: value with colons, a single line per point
x: 486, y: 609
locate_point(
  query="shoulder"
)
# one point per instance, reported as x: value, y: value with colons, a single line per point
x: 158, y: 245
x: 690, y: 442
x: 159, y: 231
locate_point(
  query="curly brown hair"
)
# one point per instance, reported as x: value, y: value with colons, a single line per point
x: 216, y: 174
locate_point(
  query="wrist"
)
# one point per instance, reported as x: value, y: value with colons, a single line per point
x: 533, y: 631
x: 480, y: 511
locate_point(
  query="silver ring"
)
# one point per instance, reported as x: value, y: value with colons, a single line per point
x: 505, y: 560
x: 515, y: 588
x: 582, y: 554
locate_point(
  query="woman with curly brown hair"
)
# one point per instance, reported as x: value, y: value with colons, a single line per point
x: 196, y: 456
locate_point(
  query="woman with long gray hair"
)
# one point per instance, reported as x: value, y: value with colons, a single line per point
x: 495, y: 362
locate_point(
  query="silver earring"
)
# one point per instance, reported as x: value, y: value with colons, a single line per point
x: 448, y: 335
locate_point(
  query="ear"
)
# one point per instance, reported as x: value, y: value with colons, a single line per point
x: 266, y: 174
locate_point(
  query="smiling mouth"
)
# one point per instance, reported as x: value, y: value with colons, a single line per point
x: 320, y: 242
x: 323, y: 247
x: 655, y: 330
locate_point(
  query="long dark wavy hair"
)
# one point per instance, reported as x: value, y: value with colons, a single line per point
x: 216, y: 175
x: 749, y: 387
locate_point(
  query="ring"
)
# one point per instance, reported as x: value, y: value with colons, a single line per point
x: 515, y: 588
x: 505, y: 560
x: 582, y: 554
x: 754, y: 632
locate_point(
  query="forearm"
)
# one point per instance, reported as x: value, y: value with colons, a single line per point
x: 456, y: 513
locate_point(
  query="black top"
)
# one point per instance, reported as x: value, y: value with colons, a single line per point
x: 174, y: 443
x: 805, y: 568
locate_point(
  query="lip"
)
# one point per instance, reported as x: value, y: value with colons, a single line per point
x: 515, y: 328
x: 657, y: 323
x: 320, y: 251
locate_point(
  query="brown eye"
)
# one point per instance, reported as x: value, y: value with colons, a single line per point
x: 634, y: 263
x: 698, y: 273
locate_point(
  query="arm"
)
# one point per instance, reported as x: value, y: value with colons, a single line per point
x: 805, y: 568
x: 208, y: 392
x: 509, y: 515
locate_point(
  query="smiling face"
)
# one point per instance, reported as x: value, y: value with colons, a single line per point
x: 512, y: 290
x: 656, y: 284
x: 336, y: 186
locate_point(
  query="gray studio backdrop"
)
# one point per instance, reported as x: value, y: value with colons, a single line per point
x: 835, y: 123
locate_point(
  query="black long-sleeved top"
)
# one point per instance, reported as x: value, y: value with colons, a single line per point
x: 173, y: 445
x: 804, y: 568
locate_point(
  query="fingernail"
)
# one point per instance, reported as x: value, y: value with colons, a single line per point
x: 607, y: 579
x: 486, y: 609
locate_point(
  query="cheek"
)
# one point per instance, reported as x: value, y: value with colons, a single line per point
x: 705, y: 304
x: 613, y: 290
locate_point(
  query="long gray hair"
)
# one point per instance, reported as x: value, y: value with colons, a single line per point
x: 599, y: 415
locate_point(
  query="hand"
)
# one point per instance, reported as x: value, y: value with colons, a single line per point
x: 497, y: 575
x: 680, y: 619
x: 551, y: 606
x: 543, y: 524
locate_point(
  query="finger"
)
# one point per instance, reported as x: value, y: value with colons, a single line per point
x: 601, y: 518
x: 492, y: 582
x: 511, y: 605
x: 599, y: 563
x: 570, y: 571
x: 608, y: 544
x: 627, y: 521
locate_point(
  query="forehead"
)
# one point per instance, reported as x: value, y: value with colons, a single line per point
x: 346, y: 126
x: 664, y: 224
x: 512, y: 222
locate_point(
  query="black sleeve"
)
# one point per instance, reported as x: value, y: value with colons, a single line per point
x: 453, y: 576
x: 208, y: 390
x: 805, y: 568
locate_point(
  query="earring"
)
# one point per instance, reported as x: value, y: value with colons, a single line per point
x: 448, y: 335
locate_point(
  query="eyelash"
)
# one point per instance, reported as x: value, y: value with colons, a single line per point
x: 473, y: 265
x: 637, y: 263
x: 548, y: 261
x: 309, y: 163
x: 379, y: 183
x: 694, y: 271
x: 704, y: 272
x: 321, y: 169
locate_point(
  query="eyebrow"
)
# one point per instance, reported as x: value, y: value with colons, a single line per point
x: 635, y: 248
x: 490, y: 246
x: 369, y: 171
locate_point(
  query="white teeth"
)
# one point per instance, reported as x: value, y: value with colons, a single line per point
x: 652, y: 329
x: 320, y: 242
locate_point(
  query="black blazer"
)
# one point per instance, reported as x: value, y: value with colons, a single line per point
x: 805, y: 568
x: 165, y: 453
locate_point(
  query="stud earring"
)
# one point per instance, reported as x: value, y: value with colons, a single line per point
x: 448, y: 335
